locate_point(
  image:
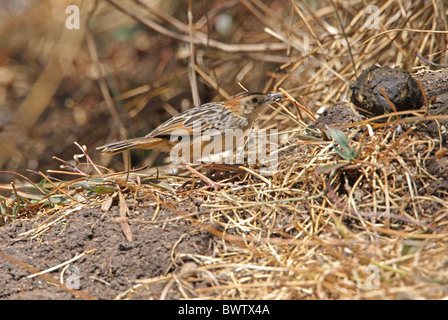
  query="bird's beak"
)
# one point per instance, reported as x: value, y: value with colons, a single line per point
x: 273, y: 97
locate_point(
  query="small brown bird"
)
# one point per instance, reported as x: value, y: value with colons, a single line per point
x: 239, y: 112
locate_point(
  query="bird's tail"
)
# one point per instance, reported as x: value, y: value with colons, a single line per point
x: 140, y: 143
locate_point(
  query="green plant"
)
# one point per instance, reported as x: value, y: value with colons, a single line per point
x: 346, y: 152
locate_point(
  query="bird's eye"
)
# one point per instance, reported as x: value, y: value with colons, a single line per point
x: 254, y: 100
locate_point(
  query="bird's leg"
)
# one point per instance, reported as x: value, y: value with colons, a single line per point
x: 221, y: 168
x: 224, y: 167
x: 214, y: 185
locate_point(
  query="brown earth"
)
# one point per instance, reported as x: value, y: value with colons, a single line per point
x: 108, y: 270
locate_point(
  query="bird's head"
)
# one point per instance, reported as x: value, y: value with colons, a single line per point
x: 247, y: 103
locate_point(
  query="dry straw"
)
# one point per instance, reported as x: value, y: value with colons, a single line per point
x: 303, y: 232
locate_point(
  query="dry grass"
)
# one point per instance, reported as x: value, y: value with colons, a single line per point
x: 288, y: 239
x: 308, y: 230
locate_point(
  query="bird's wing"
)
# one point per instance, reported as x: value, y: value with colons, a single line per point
x: 190, y: 122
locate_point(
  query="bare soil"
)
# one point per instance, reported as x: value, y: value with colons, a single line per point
x: 115, y: 261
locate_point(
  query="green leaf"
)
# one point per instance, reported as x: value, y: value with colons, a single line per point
x: 331, y: 167
x: 347, y: 153
x: 411, y: 245
x: 31, y: 193
x: 96, y: 186
x: 339, y: 137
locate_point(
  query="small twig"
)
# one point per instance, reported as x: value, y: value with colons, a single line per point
x: 211, y: 82
x: 390, y: 103
x: 18, y: 200
x: 25, y: 178
x: 298, y: 105
x: 100, y: 69
x: 58, y: 266
x: 88, y: 157
x: 123, y: 208
x: 345, y: 37
x: 404, y: 30
x: 46, y: 277
x: 200, y: 38
x: 425, y: 97
x: 310, y: 30
x: 56, y: 188
x: 191, y: 69
x: 70, y: 165
x: 430, y: 62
